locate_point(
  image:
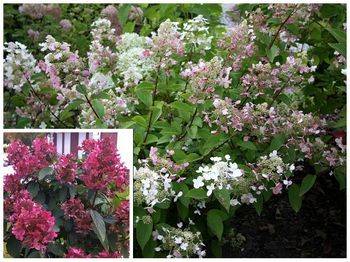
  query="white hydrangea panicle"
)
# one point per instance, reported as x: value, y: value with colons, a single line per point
x: 102, y: 48
x: 100, y: 81
x: 179, y: 242
x: 273, y: 168
x: 19, y: 66
x: 152, y: 187
x: 222, y: 174
x: 204, y: 76
x: 64, y: 68
x: 167, y: 43
x: 195, y: 33
x: 135, y: 59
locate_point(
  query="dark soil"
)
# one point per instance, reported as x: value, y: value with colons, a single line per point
x: 317, y: 230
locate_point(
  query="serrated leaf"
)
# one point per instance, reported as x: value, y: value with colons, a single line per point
x: 143, y: 233
x: 272, y: 53
x: 55, y: 249
x: 307, y: 184
x: 247, y: 145
x: 33, y: 188
x: 223, y: 196
x: 295, y: 199
x: 99, y: 108
x: 215, y: 224
x: 196, y: 193
x: 99, y: 228
x: 144, y: 93
x: 44, y: 172
x: 338, y: 34
x: 14, y: 247
x: 277, y: 142
x: 81, y: 89
x: 339, y: 47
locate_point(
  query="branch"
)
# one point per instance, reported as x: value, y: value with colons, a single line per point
x: 93, y: 109
x: 281, y: 26
x: 48, y: 107
x: 187, y: 126
x: 153, y: 99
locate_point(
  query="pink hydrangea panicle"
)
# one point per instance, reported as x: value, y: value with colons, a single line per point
x: 76, y: 252
x: 102, y: 165
x: 32, y: 224
x: 66, y: 169
x: 106, y: 254
x: 16, y: 151
x: 12, y: 184
x: 74, y: 208
x: 122, y: 212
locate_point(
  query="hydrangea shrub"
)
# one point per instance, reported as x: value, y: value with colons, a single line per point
x: 61, y: 206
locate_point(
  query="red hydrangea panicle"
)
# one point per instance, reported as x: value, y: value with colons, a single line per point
x: 12, y: 184
x: 32, y: 224
x: 106, y: 254
x: 122, y: 212
x: 102, y: 165
x: 43, y: 150
x: 26, y: 161
x: 74, y: 208
x: 76, y: 252
x: 12, y: 199
x: 16, y: 151
x: 66, y: 169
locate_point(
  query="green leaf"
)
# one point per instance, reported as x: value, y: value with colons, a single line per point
x: 123, y: 12
x: 99, y: 108
x: 215, y: 224
x: 272, y: 53
x: 33, y: 188
x: 258, y: 205
x: 143, y: 233
x: 338, y: 34
x: 247, y: 145
x: 14, y: 247
x: 295, y: 199
x: 216, y: 248
x: 196, y: 193
x: 307, y: 184
x: 141, y: 121
x: 44, y: 172
x: 182, y: 210
x: 144, y: 93
x: 99, y: 228
x: 55, y: 249
x: 63, y: 193
x: 148, y: 251
x: 277, y: 142
x: 129, y: 27
x: 34, y: 254
x: 156, y: 113
x: 340, y: 176
x: 81, y: 89
x: 223, y: 196
x: 339, y: 47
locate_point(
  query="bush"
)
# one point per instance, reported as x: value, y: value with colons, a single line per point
x: 61, y: 206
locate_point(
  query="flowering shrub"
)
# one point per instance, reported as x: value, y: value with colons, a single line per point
x: 61, y: 206
x: 223, y: 115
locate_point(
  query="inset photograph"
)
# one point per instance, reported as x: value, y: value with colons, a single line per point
x: 67, y: 194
